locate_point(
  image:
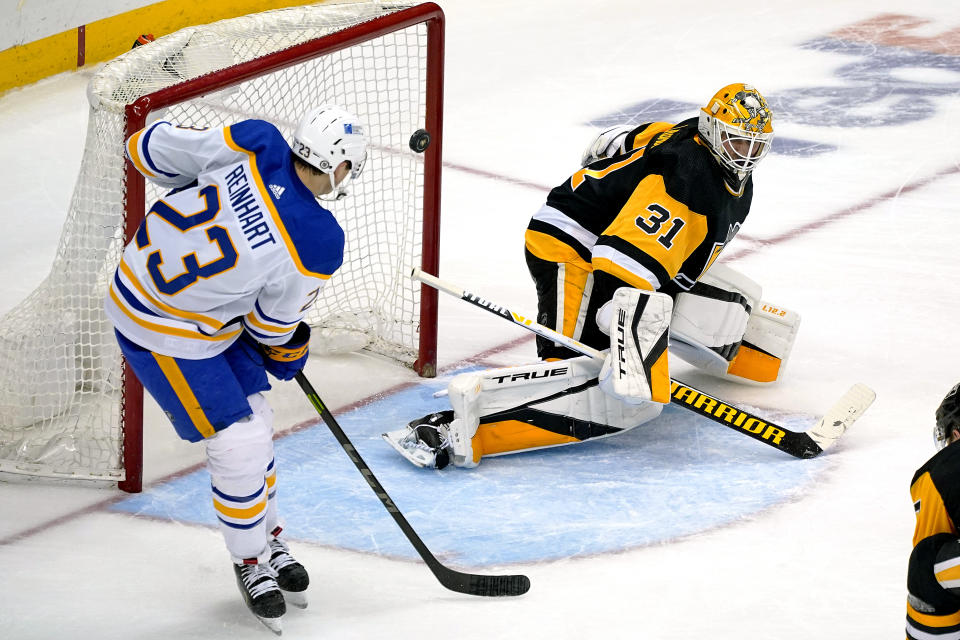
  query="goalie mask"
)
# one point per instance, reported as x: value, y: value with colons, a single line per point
x: 737, y: 126
x: 326, y: 136
x: 948, y: 418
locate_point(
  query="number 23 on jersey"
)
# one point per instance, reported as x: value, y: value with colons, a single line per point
x: 193, y: 270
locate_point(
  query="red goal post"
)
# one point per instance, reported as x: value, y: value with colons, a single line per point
x: 381, y: 60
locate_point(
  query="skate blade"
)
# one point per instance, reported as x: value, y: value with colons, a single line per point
x: 418, y: 457
x: 296, y: 598
x: 273, y: 624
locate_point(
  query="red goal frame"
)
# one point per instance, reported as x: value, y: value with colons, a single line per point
x: 131, y: 414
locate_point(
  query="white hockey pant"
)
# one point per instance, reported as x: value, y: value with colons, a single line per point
x: 243, y: 476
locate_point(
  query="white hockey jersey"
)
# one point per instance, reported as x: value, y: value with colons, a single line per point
x: 239, y: 244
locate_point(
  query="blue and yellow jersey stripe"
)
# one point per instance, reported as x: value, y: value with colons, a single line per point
x: 265, y: 327
x: 274, y: 214
x: 136, y: 312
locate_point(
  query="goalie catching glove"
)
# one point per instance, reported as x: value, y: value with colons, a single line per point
x: 638, y: 322
x: 609, y: 143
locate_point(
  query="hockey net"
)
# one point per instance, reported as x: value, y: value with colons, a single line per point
x: 67, y: 409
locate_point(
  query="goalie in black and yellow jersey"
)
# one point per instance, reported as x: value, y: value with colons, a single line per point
x: 933, y: 576
x: 623, y: 255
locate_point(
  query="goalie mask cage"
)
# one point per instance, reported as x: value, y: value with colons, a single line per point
x: 67, y: 408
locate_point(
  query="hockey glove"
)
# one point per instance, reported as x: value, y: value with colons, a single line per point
x: 607, y: 144
x: 636, y: 370
x: 284, y: 361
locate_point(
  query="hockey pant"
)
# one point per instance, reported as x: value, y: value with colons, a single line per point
x: 565, y: 303
x: 217, y: 400
x: 547, y: 404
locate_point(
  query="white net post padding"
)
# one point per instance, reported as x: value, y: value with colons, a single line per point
x: 61, y: 377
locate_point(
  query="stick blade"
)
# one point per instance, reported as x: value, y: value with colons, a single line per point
x: 479, y: 585
x: 841, y: 415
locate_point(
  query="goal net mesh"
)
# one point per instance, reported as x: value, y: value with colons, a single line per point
x: 61, y: 409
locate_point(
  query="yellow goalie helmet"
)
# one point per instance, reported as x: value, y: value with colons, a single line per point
x: 737, y: 126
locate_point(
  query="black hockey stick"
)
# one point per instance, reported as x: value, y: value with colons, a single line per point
x: 470, y: 583
x: 801, y: 444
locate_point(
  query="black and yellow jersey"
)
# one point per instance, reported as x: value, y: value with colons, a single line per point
x: 655, y: 217
x: 935, y: 489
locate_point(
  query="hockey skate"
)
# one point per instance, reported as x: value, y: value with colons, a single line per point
x: 292, y: 577
x: 258, y: 586
x: 424, y: 442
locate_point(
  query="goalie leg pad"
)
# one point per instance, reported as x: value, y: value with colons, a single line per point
x: 767, y: 343
x: 722, y: 327
x: 547, y: 404
x: 636, y: 369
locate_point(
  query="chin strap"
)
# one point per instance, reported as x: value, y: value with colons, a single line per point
x: 335, y: 193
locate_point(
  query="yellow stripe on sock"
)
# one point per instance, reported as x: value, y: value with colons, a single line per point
x: 247, y: 513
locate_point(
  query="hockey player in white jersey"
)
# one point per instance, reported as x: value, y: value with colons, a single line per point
x: 210, y: 296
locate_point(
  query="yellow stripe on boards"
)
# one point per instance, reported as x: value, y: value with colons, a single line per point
x: 185, y: 394
x: 107, y: 38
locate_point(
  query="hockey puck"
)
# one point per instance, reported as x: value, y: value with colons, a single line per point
x: 420, y: 140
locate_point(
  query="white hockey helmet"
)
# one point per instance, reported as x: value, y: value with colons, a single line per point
x: 326, y: 136
x: 737, y: 126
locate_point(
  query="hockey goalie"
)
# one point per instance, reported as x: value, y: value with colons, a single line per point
x: 624, y: 258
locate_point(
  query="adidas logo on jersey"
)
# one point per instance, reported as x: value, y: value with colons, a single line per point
x: 277, y: 190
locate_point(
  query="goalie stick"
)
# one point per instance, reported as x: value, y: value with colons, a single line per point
x: 469, y: 583
x: 800, y: 444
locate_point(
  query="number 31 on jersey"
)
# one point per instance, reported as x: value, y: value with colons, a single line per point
x: 653, y: 224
